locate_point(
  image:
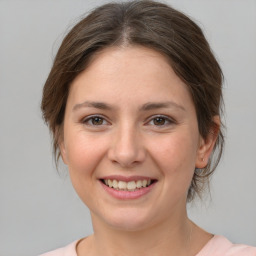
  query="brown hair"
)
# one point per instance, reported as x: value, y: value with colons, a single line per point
x: 153, y: 25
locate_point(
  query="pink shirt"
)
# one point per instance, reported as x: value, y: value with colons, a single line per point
x: 217, y: 246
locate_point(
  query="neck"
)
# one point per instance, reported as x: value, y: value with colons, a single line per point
x: 169, y: 238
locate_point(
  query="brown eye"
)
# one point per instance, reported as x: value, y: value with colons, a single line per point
x: 97, y: 120
x: 94, y: 121
x: 159, y: 121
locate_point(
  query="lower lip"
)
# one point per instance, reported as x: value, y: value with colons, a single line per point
x: 126, y: 195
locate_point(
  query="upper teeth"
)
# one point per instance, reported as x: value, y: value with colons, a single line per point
x: 130, y: 186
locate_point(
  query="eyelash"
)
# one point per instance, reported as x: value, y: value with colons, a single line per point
x: 167, y: 120
x: 88, y: 120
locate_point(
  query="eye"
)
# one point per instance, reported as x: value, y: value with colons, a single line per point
x: 161, y: 121
x: 95, y: 121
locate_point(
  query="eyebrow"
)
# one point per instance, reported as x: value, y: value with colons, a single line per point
x: 155, y: 105
x: 145, y: 107
x: 93, y: 104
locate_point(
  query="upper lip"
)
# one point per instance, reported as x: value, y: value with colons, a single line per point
x: 126, y: 178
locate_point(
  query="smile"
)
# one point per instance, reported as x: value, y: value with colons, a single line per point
x: 128, y: 186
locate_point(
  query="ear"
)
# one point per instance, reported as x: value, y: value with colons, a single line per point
x: 206, y: 145
x: 63, y: 152
x: 59, y: 135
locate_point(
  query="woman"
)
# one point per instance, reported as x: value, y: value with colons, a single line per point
x: 134, y: 101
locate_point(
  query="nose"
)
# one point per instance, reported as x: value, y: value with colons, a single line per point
x: 127, y: 147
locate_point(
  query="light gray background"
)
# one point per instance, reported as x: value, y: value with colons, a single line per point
x: 39, y: 210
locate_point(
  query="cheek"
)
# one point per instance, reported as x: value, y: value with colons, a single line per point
x: 176, y: 156
x: 84, y: 153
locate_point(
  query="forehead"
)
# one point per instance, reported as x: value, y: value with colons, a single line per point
x: 129, y: 72
x: 129, y: 56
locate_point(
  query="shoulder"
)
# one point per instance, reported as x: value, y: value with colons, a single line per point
x: 69, y: 250
x: 221, y: 246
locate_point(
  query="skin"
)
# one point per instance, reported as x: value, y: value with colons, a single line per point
x: 128, y: 140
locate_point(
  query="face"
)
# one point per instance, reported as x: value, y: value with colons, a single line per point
x: 131, y: 139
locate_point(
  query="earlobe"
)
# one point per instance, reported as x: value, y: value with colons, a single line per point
x: 59, y: 135
x: 207, y: 144
x: 63, y: 152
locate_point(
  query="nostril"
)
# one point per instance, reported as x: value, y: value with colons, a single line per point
x: 126, y: 152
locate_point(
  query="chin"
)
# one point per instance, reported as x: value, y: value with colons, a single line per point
x: 128, y: 220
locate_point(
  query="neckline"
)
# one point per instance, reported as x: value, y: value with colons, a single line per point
x: 200, y: 253
x: 207, y: 245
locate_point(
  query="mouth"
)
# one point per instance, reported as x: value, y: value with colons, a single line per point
x: 132, y: 185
